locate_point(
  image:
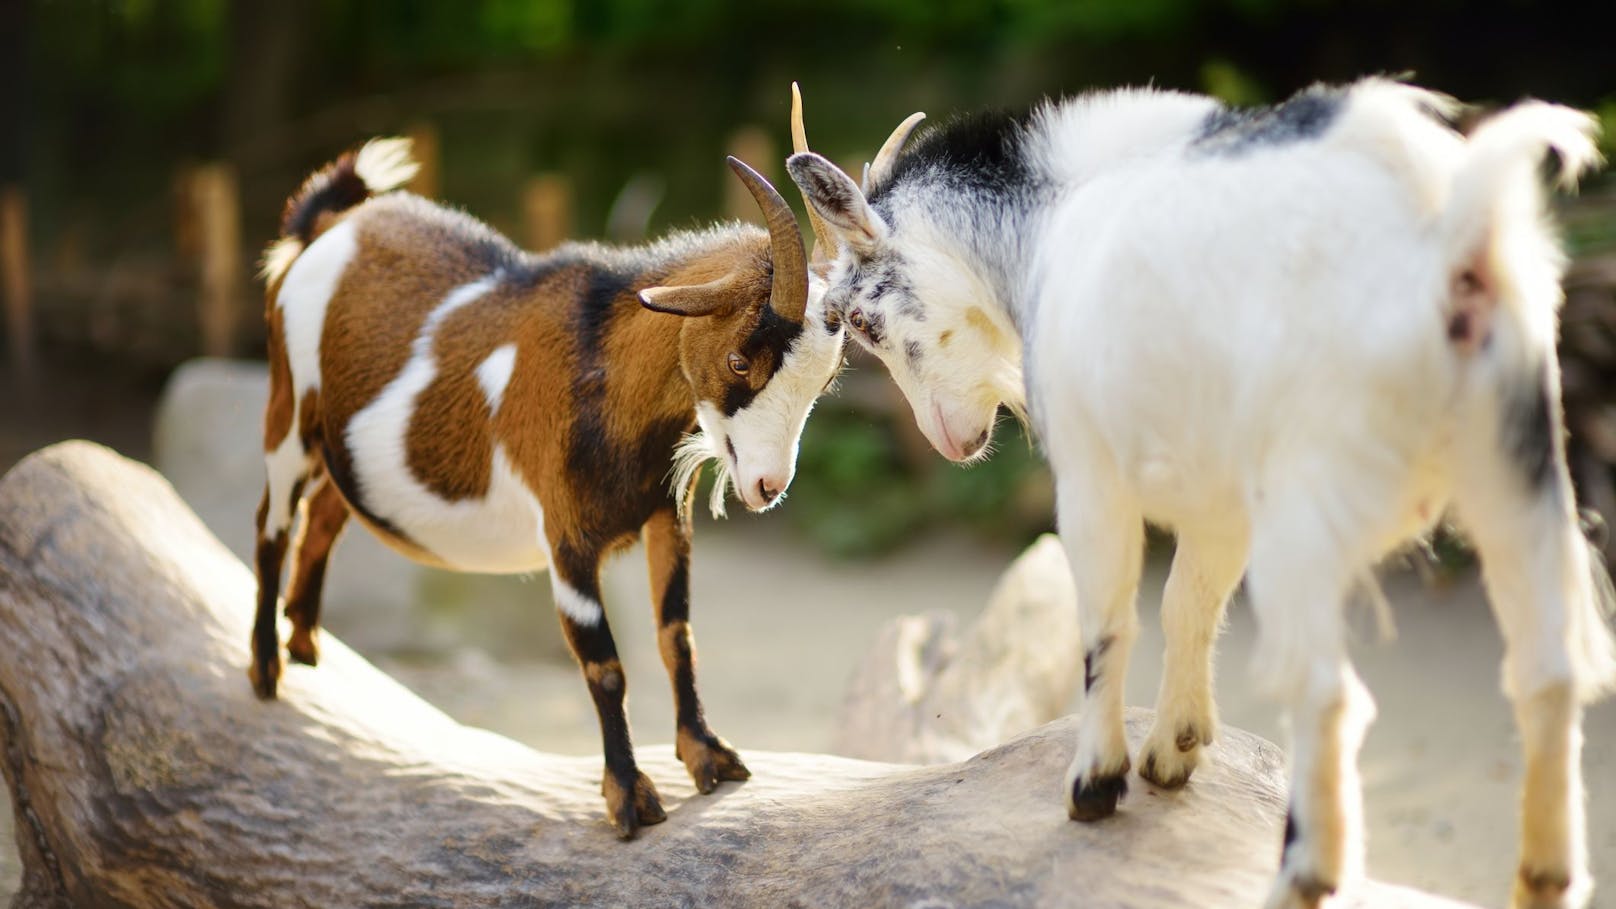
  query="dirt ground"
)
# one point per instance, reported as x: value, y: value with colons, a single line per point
x: 780, y: 629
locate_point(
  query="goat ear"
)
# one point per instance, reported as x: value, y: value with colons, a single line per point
x: 837, y: 200
x: 690, y: 300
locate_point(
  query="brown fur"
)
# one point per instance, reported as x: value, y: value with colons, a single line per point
x: 601, y: 392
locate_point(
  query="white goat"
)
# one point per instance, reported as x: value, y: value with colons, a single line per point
x: 1295, y: 335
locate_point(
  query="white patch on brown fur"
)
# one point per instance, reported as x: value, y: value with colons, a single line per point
x: 494, y: 373
x: 305, y: 295
x: 502, y: 532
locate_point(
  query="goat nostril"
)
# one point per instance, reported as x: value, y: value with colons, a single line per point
x: 977, y: 445
x: 766, y: 491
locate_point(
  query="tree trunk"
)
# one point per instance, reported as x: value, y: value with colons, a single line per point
x: 144, y: 773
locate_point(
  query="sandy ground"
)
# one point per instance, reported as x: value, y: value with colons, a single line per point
x: 780, y: 629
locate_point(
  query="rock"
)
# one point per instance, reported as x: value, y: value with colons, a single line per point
x: 925, y: 694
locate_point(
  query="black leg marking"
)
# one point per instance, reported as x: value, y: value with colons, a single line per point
x: 631, y: 799
x: 1531, y: 429
x: 1091, y: 660
x: 265, y: 670
x: 708, y: 758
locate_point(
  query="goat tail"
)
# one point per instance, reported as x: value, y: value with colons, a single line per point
x: 1496, y: 184
x: 376, y: 167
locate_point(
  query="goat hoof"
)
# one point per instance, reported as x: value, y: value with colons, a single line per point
x: 265, y: 676
x: 303, y: 648
x: 1096, y: 797
x: 1536, y: 889
x: 1170, y: 772
x: 709, y: 759
x: 632, y: 807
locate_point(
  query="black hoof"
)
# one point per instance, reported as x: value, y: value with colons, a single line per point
x: 1097, y: 798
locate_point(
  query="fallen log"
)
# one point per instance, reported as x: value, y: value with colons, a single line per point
x: 144, y: 773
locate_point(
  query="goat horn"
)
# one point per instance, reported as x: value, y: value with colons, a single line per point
x: 788, y: 295
x: 888, y: 155
x: 825, y: 247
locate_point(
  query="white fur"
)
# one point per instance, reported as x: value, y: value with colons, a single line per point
x: 385, y: 164
x: 304, y: 296
x: 494, y: 373
x: 503, y: 532
x: 1252, y: 348
x: 574, y: 605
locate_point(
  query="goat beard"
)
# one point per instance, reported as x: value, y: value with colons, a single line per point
x: 689, y: 456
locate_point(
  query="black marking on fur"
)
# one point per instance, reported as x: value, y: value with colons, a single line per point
x: 336, y: 187
x: 736, y: 396
x: 912, y: 350
x: 979, y: 151
x: 879, y: 278
x: 1531, y: 429
x: 1306, y: 115
x: 1091, y: 659
x: 588, y: 448
x: 676, y: 596
x: 766, y: 348
x: 1291, y: 834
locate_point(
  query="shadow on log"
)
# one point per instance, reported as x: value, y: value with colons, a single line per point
x: 144, y: 772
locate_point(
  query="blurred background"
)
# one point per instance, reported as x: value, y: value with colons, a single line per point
x: 146, y: 148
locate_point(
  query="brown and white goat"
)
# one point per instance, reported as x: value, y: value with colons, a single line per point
x: 485, y: 409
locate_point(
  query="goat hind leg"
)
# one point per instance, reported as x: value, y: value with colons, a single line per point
x: 287, y: 469
x: 1299, y: 575
x: 1516, y: 503
x: 324, y: 516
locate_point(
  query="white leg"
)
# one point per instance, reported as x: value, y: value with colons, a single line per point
x: 1516, y: 503
x: 1301, y: 561
x: 1103, y: 533
x: 1206, y: 569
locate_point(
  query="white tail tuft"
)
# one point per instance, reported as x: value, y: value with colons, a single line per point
x: 386, y: 164
x: 278, y: 258
x: 1497, y: 181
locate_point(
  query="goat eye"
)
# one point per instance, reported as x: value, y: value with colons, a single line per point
x: 856, y: 319
x: 738, y: 364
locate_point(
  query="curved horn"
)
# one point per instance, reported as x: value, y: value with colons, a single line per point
x: 888, y: 155
x: 788, y: 296
x: 825, y: 247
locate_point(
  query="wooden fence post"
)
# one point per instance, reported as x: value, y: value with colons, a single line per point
x: 752, y: 145
x: 425, y: 147
x: 547, y: 211
x: 15, y: 283
x: 217, y: 203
